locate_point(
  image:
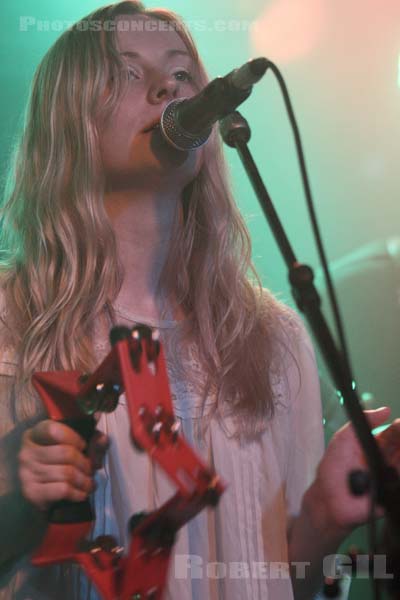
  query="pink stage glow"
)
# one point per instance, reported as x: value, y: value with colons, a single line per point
x: 288, y: 30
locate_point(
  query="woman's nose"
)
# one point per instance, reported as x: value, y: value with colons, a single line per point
x: 163, y: 88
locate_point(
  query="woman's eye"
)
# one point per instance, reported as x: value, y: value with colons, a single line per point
x: 182, y: 75
x: 132, y: 74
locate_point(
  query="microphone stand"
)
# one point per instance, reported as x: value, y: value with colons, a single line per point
x: 235, y: 132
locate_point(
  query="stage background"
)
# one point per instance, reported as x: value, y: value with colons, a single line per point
x: 341, y: 62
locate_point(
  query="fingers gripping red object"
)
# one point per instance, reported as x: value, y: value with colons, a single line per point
x: 136, y: 366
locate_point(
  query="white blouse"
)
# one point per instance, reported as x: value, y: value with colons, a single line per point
x: 237, y: 551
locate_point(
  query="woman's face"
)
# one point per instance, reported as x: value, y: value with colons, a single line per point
x: 160, y: 69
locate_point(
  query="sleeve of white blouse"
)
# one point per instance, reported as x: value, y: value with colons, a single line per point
x: 21, y: 525
x: 305, y: 435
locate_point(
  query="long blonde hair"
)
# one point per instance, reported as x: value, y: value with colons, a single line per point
x: 58, y: 256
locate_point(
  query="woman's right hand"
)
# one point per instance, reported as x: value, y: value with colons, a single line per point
x: 52, y: 465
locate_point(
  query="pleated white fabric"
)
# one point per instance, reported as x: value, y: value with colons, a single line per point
x: 237, y: 551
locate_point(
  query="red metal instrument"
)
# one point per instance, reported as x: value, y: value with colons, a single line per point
x: 136, y: 366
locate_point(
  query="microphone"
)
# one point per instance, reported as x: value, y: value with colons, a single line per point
x: 186, y: 123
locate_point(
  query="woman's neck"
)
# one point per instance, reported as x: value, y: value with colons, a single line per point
x: 142, y: 222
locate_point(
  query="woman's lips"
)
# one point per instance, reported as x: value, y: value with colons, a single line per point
x: 152, y: 127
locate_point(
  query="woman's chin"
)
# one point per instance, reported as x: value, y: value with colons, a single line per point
x: 166, y: 153
x: 154, y: 163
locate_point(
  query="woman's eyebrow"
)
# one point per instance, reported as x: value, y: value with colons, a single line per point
x: 168, y: 53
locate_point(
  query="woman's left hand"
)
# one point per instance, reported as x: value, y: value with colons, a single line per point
x: 335, y: 506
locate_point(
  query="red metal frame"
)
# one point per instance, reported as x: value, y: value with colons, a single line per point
x: 136, y: 364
